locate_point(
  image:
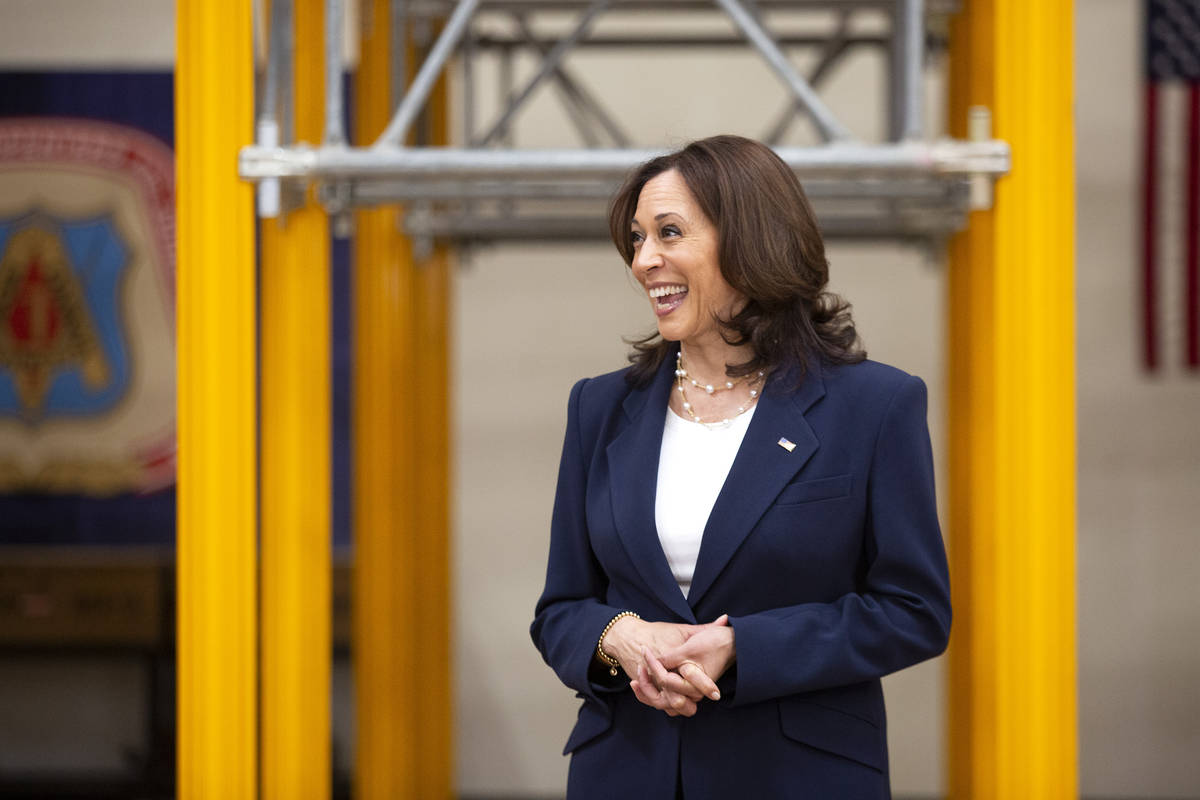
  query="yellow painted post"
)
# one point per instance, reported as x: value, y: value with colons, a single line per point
x: 434, y: 289
x: 433, y: 552
x: 215, y: 317
x: 296, y: 573
x: 385, y: 492
x: 384, y: 486
x: 401, y: 607
x: 1013, y: 729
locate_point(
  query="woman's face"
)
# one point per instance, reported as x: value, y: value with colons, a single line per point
x: 675, y: 261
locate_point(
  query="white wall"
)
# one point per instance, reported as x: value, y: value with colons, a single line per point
x: 531, y: 319
x: 1139, y: 458
x: 104, y: 34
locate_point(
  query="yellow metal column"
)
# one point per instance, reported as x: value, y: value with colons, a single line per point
x: 433, y: 447
x: 216, y: 542
x: 1013, y: 729
x: 296, y: 575
x: 401, y: 473
x: 384, y: 489
x: 434, y: 669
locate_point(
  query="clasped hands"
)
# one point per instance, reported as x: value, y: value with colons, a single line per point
x: 672, y: 666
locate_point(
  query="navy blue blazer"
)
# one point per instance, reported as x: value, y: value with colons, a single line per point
x: 827, y: 558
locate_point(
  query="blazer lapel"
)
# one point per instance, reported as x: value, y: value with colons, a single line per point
x: 633, y: 477
x: 762, y: 468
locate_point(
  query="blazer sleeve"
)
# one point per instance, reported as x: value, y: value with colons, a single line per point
x: 901, y: 613
x: 570, y: 615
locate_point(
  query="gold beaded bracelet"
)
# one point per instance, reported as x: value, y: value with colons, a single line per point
x: 613, y: 664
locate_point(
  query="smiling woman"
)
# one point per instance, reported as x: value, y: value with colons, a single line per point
x: 737, y: 198
x: 745, y: 537
x: 675, y: 259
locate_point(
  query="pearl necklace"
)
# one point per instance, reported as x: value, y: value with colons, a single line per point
x: 681, y: 373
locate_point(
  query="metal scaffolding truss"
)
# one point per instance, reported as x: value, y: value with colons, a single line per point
x: 486, y: 189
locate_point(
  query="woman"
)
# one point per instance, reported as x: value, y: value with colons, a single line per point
x: 744, y: 538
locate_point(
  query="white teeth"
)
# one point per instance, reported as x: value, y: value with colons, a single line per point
x: 663, y: 291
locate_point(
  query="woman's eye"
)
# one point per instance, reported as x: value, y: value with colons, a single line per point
x: 635, y: 238
x: 670, y: 230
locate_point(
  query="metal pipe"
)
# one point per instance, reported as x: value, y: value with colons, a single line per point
x: 468, y: 79
x: 548, y: 65
x: 335, y: 130
x: 418, y: 93
x: 506, y: 93
x: 908, y: 228
x: 507, y: 82
x: 833, y: 50
x: 827, y: 125
x: 701, y: 42
x: 584, y: 99
x: 267, y: 109
x: 893, y: 74
x: 421, y: 31
x: 841, y: 158
x: 912, y: 190
x: 569, y: 99
x: 287, y: 71
x: 398, y: 50
x: 436, y: 9
x: 568, y: 93
x: 542, y: 228
x: 912, y: 31
x: 575, y: 111
x: 924, y: 189
x: 267, y: 132
x: 390, y: 191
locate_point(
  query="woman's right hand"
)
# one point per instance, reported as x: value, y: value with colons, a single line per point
x: 630, y: 638
x: 627, y: 637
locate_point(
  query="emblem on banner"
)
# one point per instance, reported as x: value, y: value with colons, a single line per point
x: 87, y: 361
x: 62, y: 348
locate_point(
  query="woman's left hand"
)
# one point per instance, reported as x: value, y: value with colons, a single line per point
x: 711, y: 649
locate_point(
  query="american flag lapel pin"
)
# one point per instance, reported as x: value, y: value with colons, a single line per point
x: 786, y: 444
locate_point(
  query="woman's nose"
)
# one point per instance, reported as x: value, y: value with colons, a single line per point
x: 646, y: 257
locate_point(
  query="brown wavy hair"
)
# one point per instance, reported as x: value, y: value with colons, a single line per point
x: 769, y: 248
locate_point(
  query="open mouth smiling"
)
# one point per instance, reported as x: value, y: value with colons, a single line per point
x: 667, y: 298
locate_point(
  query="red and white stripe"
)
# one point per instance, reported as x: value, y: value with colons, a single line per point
x: 1171, y: 226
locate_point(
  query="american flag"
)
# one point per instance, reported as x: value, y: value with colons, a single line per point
x: 1171, y: 185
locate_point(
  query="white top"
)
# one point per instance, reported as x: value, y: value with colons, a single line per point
x: 692, y: 467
